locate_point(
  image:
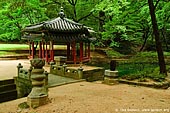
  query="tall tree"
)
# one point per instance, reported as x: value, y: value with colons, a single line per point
x: 157, y: 38
x: 14, y: 15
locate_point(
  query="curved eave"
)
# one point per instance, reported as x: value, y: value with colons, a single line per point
x: 34, y: 28
x: 35, y: 37
x: 66, y: 38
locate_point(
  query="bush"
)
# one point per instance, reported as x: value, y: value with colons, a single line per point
x: 112, y: 53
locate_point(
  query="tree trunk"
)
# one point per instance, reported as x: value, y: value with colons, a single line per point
x: 157, y: 38
x: 164, y: 37
x: 101, y: 20
x: 144, y: 43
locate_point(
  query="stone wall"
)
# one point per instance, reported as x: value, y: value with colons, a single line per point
x: 23, y: 86
x: 65, y: 71
x: 23, y: 82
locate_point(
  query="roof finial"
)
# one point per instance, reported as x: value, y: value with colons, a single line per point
x: 61, y: 13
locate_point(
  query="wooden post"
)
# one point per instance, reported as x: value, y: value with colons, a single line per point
x: 46, y: 51
x: 33, y: 50
x: 52, y: 51
x: 29, y: 49
x: 81, y: 51
x: 40, y: 49
x: 85, y: 49
x: 88, y: 50
x: 68, y: 51
x: 74, y: 52
x: 43, y: 50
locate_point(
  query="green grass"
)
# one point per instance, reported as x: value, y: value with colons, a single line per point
x: 13, y: 47
x: 2, y: 53
x: 6, y: 48
x: 23, y: 47
x: 142, y: 66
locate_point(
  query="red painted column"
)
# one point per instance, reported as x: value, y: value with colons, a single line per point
x: 81, y: 51
x: 43, y: 50
x: 40, y: 49
x: 85, y: 49
x: 74, y: 52
x: 88, y: 50
x: 46, y: 51
x: 33, y: 50
x: 29, y: 49
x: 52, y: 51
x: 68, y: 51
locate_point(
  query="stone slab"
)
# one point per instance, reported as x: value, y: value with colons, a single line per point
x: 110, y: 73
x: 109, y: 81
x: 36, y: 102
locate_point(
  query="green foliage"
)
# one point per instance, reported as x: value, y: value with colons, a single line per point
x: 142, y: 66
x: 168, y: 68
x: 123, y: 22
x: 111, y: 53
x: 129, y: 23
x: 141, y: 71
x: 15, y: 15
x: 121, y: 26
x: 23, y: 105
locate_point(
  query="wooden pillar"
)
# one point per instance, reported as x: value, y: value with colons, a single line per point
x: 81, y: 51
x: 85, y: 50
x: 88, y: 50
x: 33, y: 50
x: 43, y: 50
x: 29, y: 49
x: 74, y: 52
x: 52, y: 51
x: 40, y: 49
x: 68, y: 51
x: 50, y: 46
x: 46, y: 51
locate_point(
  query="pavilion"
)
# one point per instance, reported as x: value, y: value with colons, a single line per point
x: 60, y: 30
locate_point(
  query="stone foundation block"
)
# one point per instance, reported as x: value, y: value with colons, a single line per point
x: 110, y: 81
x: 110, y: 77
x: 38, y: 101
x: 110, y: 73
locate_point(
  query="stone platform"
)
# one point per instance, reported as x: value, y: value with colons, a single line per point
x: 89, y: 73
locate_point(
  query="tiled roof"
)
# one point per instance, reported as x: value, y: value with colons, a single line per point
x: 60, y: 28
x: 63, y: 25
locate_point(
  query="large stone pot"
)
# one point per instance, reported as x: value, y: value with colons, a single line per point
x: 37, y: 63
x: 39, y: 93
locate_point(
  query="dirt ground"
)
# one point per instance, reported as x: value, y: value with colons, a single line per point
x: 95, y: 97
x: 86, y: 97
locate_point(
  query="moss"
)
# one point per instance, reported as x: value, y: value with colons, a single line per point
x: 23, y: 105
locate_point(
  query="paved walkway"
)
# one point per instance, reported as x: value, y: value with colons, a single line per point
x: 8, y: 70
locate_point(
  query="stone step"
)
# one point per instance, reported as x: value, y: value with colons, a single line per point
x: 7, y: 87
x: 8, y: 95
x: 7, y: 90
x: 5, y: 82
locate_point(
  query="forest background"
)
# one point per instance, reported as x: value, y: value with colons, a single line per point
x: 123, y: 25
x: 118, y: 23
